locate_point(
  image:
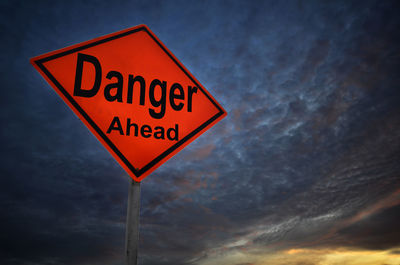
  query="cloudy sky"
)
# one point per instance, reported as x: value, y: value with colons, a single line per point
x: 303, y: 170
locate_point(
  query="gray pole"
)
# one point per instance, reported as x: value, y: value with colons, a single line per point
x: 132, y: 223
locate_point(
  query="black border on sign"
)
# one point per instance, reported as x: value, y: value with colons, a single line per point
x: 141, y: 171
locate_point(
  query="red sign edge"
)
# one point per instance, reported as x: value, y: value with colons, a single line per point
x: 136, y: 174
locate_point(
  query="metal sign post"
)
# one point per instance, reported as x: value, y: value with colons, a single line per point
x: 132, y: 223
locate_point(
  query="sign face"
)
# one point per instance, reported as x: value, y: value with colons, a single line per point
x: 133, y: 94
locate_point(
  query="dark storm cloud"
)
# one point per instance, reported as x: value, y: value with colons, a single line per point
x: 375, y: 232
x: 313, y: 144
x: 311, y: 138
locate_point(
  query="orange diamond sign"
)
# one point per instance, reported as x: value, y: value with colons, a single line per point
x: 133, y: 94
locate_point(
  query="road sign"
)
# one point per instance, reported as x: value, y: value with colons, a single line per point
x: 133, y: 94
